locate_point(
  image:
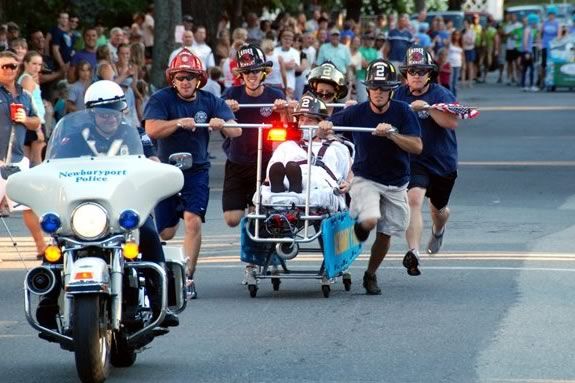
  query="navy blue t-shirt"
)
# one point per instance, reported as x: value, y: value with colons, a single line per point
x: 378, y: 158
x: 64, y: 41
x: 439, y: 153
x: 166, y: 105
x: 6, y: 123
x: 243, y: 149
x: 399, y: 42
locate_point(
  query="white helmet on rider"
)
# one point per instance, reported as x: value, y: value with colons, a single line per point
x: 105, y: 94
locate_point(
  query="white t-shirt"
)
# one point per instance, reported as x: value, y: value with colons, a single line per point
x: 148, y: 30
x: 469, y: 39
x: 204, y: 52
x: 311, y: 53
x: 508, y: 29
x: 290, y: 55
x: 275, y: 76
x: 454, y: 56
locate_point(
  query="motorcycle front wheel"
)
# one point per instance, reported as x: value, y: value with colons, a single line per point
x: 92, y: 338
x: 123, y: 355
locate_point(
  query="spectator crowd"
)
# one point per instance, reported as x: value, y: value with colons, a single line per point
x: 58, y: 65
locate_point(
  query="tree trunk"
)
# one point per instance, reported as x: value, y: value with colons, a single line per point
x: 353, y: 8
x: 236, y: 14
x: 454, y: 5
x: 419, y: 5
x: 207, y: 13
x: 167, y: 14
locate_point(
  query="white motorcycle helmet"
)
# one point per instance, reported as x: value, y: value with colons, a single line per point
x: 105, y: 94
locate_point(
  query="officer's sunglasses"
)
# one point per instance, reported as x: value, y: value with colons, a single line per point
x: 188, y: 77
x: 106, y: 116
x: 10, y: 66
x: 418, y: 72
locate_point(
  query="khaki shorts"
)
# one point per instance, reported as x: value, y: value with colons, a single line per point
x: 387, y: 204
x: 23, y: 165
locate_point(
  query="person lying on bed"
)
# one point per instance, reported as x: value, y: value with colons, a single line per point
x: 331, y: 159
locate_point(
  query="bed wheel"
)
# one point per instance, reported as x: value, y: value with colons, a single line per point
x: 325, y: 289
x: 253, y: 290
x: 276, y: 283
x: 347, y: 283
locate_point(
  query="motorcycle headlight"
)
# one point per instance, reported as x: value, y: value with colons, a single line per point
x: 89, y: 221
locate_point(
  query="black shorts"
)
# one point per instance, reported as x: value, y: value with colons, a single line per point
x: 32, y: 136
x: 544, y: 53
x: 511, y: 55
x: 239, y: 186
x: 437, y: 188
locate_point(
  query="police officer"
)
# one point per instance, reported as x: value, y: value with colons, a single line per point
x: 109, y: 135
x: 433, y: 172
x: 381, y: 166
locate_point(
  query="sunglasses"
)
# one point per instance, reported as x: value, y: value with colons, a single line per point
x: 107, y: 115
x: 10, y: 66
x: 418, y: 72
x: 254, y: 71
x: 380, y: 88
x: 326, y: 95
x: 182, y: 78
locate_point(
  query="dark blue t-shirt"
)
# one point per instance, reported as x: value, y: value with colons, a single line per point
x: 6, y: 123
x: 399, y: 41
x: 86, y: 56
x: 378, y: 158
x: 166, y: 105
x: 64, y: 41
x: 439, y: 153
x: 243, y: 149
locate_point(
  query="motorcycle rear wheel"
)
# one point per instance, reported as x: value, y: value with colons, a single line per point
x: 92, y: 338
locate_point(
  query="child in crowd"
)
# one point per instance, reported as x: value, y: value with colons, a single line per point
x: 444, y: 68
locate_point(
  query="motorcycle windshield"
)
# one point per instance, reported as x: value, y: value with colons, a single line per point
x: 96, y: 132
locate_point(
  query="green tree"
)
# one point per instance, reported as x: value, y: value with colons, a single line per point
x: 167, y: 14
x: 43, y: 13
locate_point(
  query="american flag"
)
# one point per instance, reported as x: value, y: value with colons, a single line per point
x: 461, y: 111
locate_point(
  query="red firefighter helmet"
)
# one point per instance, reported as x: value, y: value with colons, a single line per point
x: 186, y: 61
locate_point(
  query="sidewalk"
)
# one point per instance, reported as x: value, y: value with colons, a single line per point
x: 492, y: 95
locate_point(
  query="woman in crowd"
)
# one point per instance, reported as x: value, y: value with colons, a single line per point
x: 35, y: 139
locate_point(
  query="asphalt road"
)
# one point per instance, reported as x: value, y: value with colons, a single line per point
x: 494, y: 306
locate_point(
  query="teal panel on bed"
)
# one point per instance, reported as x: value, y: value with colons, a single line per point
x: 341, y: 247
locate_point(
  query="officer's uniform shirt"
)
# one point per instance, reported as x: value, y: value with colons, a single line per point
x: 439, y: 153
x: 89, y: 142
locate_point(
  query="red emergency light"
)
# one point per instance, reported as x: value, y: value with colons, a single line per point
x: 283, y: 131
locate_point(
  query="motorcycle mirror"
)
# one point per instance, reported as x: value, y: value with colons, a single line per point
x: 182, y: 161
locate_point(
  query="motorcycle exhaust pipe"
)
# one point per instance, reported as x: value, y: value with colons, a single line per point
x: 40, y: 280
x: 287, y: 251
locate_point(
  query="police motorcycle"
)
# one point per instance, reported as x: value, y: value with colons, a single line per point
x: 92, y: 193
